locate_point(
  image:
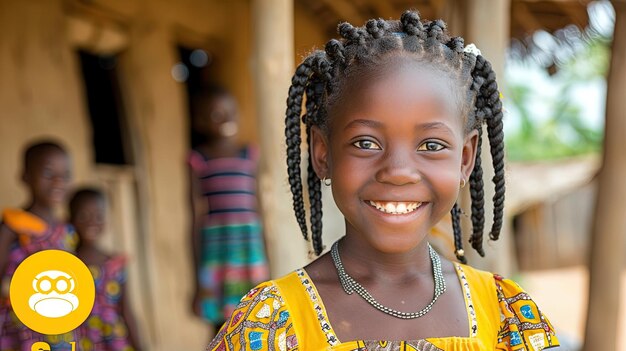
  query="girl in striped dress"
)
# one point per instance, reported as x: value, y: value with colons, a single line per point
x: 227, y: 236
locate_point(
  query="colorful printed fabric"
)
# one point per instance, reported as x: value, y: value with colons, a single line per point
x: 288, y: 314
x: 260, y: 322
x: 105, y: 328
x: 524, y: 327
x: 232, y: 255
x: 33, y: 236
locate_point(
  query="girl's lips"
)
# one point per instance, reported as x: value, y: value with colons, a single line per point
x: 57, y: 194
x: 395, y: 207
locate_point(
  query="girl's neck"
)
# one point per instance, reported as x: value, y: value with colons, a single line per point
x: 44, y: 212
x: 219, y: 142
x: 87, y: 246
x: 361, y: 259
x: 220, y: 147
x: 88, y: 250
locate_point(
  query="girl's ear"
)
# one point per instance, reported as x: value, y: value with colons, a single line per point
x: 319, y: 152
x: 469, y: 154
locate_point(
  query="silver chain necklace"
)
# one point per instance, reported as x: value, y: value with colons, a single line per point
x: 350, y: 285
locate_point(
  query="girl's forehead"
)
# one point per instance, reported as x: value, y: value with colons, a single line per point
x: 50, y: 159
x: 90, y: 204
x: 415, y: 82
x: 403, y: 87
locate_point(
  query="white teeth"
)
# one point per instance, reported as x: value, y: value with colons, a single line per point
x: 396, y: 207
x: 401, y: 207
x: 390, y: 207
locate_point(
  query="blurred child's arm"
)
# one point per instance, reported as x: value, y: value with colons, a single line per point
x: 256, y: 156
x: 129, y: 318
x: 198, y: 209
x: 7, y: 237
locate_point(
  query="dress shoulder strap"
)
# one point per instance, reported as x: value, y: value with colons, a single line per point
x: 483, y: 307
x: 310, y: 319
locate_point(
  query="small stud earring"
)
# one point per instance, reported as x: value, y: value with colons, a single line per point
x: 326, y: 181
x: 463, y: 182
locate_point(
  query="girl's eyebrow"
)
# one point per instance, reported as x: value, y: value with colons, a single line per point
x: 364, y: 122
x: 434, y: 125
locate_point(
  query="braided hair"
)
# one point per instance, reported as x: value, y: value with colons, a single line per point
x: 321, y: 78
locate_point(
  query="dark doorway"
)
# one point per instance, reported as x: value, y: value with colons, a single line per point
x: 100, y: 75
x: 195, y: 70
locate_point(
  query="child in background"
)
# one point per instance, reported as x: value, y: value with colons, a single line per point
x: 394, y: 115
x: 227, y: 237
x: 110, y: 326
x: 46, y: 174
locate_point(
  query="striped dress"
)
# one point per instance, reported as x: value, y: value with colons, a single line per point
x: 232, y: 256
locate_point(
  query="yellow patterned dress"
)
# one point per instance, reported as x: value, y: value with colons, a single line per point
x: 288, y: 314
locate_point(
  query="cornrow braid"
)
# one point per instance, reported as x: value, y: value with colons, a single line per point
x: 412, y: 24
x: 322, y: 78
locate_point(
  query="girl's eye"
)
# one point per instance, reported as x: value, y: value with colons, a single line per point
x: 47, y: 174
x: 430, y: 146
x: 366, y: 145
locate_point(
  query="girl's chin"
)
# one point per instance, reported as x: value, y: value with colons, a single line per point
x: 88, y: 242
x: 397, y: 246
x: 56, y: 201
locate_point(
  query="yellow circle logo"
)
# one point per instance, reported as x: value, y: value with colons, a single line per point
x: 52, y: 292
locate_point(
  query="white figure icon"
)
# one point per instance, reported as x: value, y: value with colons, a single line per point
x: 53, y: 296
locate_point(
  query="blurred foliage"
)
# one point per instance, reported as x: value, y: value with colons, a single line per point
x: 591, y: 62
x: 563, y: 133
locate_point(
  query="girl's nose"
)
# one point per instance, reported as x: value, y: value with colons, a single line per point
x: 399, y: 168
x: 59, y: 181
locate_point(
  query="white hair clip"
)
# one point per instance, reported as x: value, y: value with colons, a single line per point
x: 472, y: 49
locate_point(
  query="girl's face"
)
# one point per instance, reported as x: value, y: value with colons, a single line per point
x: 88, y: 219
x: 217, y: 117
x: 396, y: 152
x: 48, y: 178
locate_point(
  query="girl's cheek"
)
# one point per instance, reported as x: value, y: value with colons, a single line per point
x: 447, y: 183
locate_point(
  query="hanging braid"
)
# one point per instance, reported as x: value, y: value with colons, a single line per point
x: 489, y: 107
x: 477, y: 194
x: 313, y: 181
x: 455, y: 213
x: 292, y: 132
x: 323, y: 76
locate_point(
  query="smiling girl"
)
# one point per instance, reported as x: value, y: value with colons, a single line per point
x: 23, y: 232
x: 394, y: 114
x: 111, y: 324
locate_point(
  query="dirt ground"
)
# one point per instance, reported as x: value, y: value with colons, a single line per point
x: 562, y: 296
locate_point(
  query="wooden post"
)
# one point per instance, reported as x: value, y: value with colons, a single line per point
x: 609, y: 226
x: 488, y: 27
x: 156, y: 105
x: 273, y: 55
